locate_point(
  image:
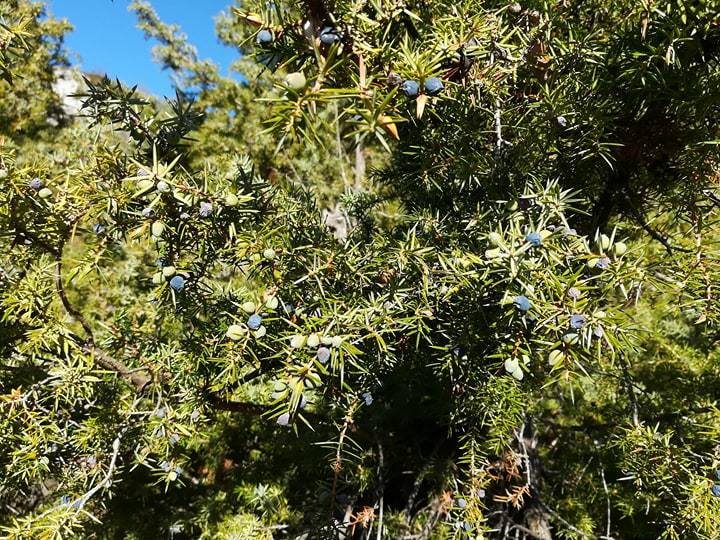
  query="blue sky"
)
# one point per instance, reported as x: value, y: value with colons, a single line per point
x: 105, y: 39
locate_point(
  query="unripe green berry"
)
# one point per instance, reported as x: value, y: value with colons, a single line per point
x: 145, y: 184
x: 313, y: 341
x: 231, y: 199
x: 495, y: 238
x: 235, y: 332
x: 296, y: 80
x: 272, y: 302
x: 158, y: 227
x: 249, y: 307
x: 604, y: 241
x: 269, y: 253
x: 44, y: 193
x: 297, y: 341
x: 168, y: 271
x: 555, y: 357
x: 157, y: 278
x: 620, y: 248
x: 511, y: 364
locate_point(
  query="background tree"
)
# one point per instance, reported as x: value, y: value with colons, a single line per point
x: 515, y: 337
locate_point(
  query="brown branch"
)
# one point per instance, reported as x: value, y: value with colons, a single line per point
x: 655, y: 235
x: 137, y: 379
x: 74, y: 313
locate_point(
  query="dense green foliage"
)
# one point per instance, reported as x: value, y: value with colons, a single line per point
x: 432, y: 270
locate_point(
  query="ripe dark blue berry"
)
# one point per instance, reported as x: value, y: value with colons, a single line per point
x: 534, y: 238
x: 264, y: 37
x: 434, y: 86
x: 462, y: 503
x: 522, y: 303
x: 716, y: 490
x: 329, y: 35
x: 206, y: 209
x: 578, y: 321
x: 36, y: 184
x: 177, y: 283
x: 323, y: 355
x: 254, y: 321
x: 410, y: 88
x: 602, y: 263
x: 98, y: 228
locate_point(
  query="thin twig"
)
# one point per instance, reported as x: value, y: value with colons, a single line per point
x: 607, y: 497
x: 653, y: 233
x: 81, y: 501
x: 498, y: 126
x: 337, y: 465
x: 382, y: 491
x: 567, y: 524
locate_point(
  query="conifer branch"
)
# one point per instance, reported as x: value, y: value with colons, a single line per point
x: 137, y: 379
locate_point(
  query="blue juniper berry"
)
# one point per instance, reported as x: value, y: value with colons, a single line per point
x: 522, y: 303
x: 534, y: 238
x: 264, y: 37
x: 602, y: 263
x: 36, y: 184
x: 254, y: 321
x: 323, y: 355
x: 434, y: 86
x: 177, y: 283
x: 578, y: 321
x: 206, y: 209
x: 410, y: 88
x: 329, y: 35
